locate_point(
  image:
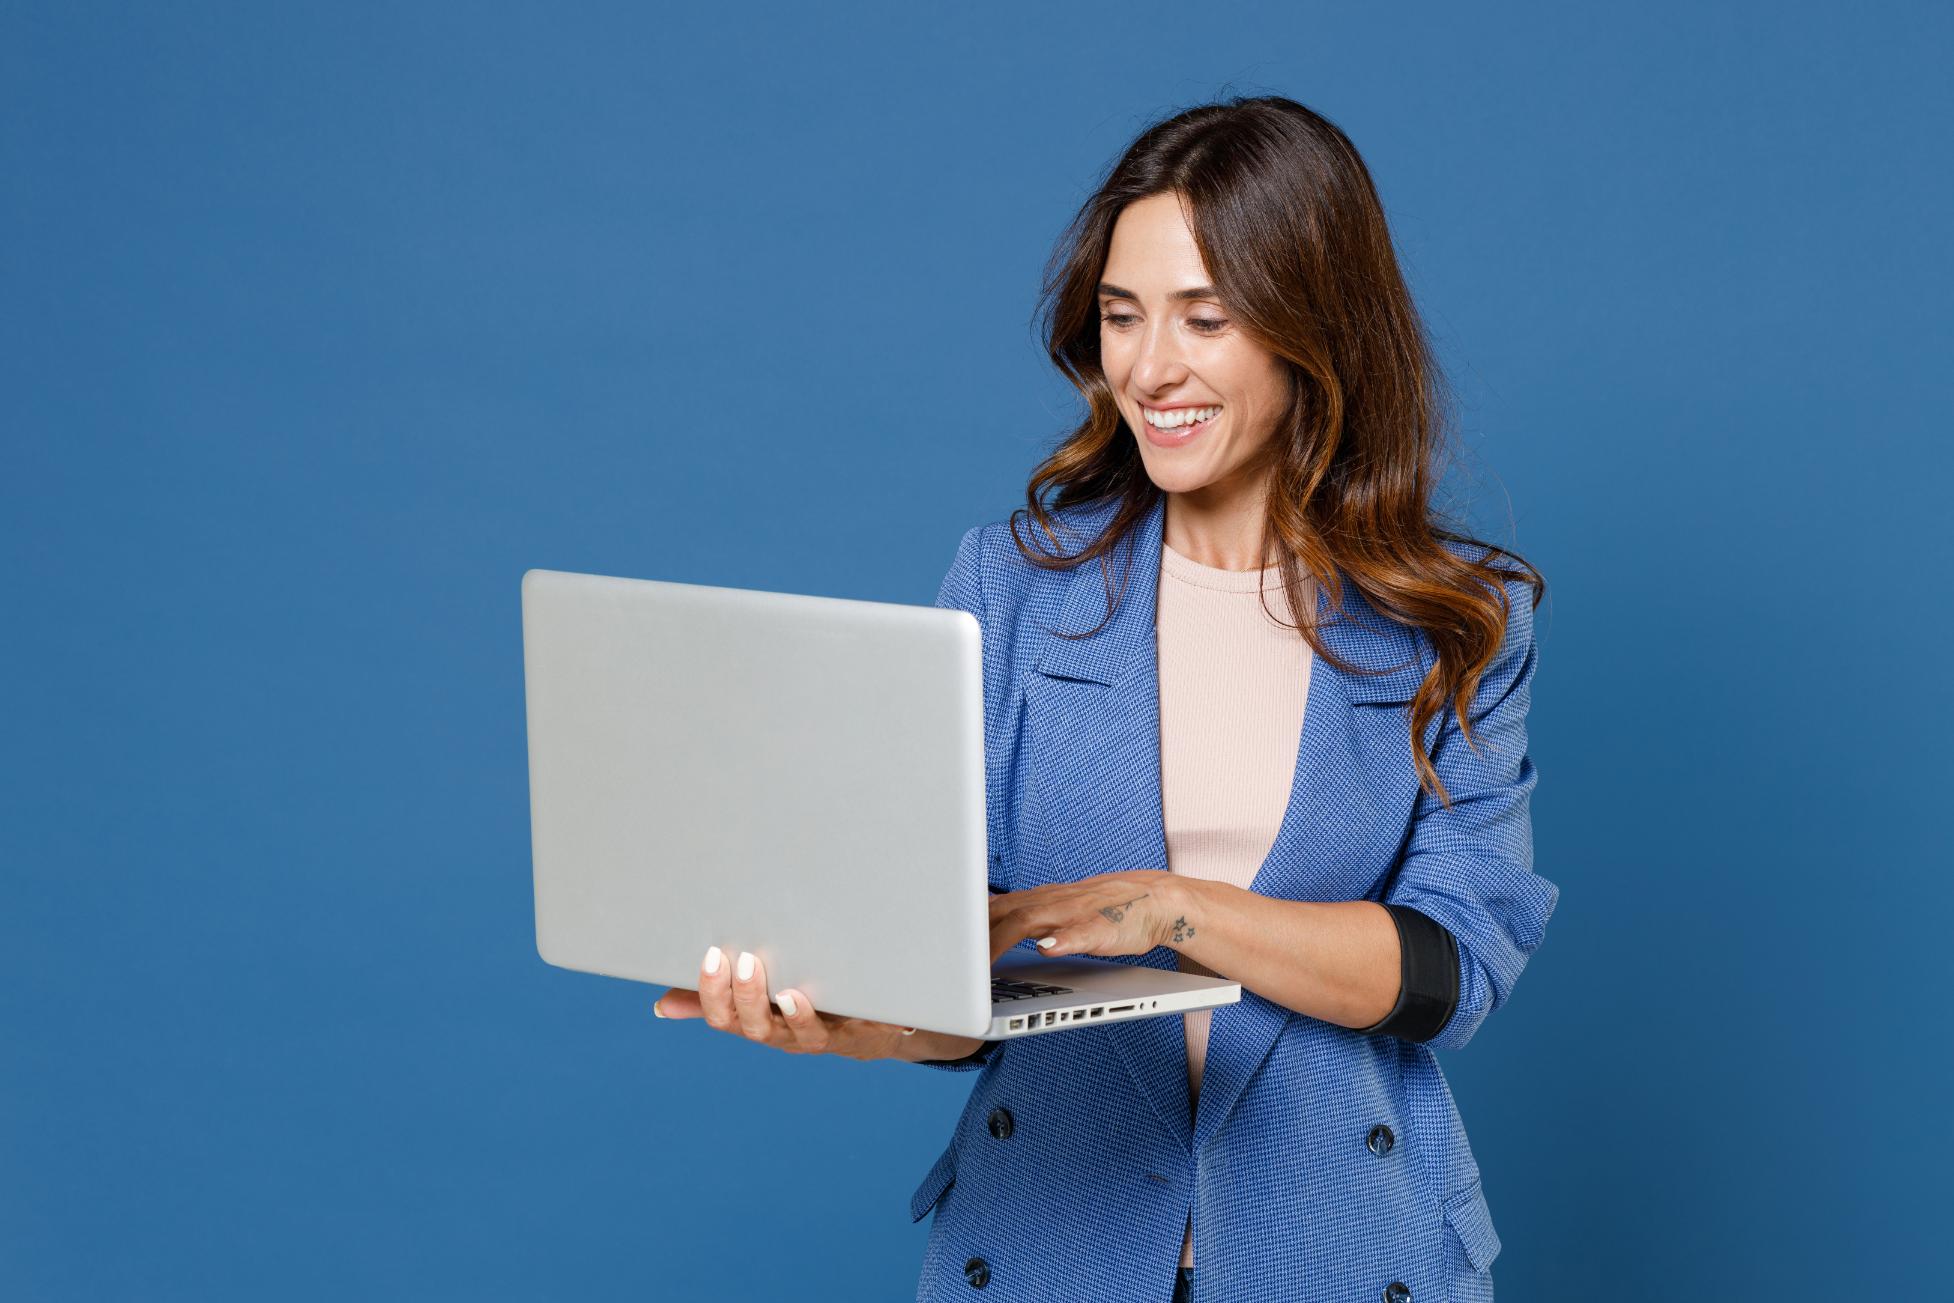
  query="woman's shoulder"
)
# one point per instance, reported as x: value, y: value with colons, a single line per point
x: 1008, y: 573
x: 1521, y: 596
x: 1017, y: 601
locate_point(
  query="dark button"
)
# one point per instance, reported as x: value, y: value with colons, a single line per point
x: 1396, y: 1292
x: 978, y: 1273
x: 1380, y: 1140
x: 1001, y: 1123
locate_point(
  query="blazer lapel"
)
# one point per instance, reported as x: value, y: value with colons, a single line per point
x: 1349, y: 805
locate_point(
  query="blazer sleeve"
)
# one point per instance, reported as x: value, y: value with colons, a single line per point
x: 1469, y: 867
x: 963, y: 589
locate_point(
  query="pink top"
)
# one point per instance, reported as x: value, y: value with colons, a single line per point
x: 1233, y: 684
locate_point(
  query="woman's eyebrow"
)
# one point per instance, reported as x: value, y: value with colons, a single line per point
x: 1198, y: 292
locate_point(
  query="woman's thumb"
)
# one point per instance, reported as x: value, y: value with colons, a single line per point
x: 677, y: 1003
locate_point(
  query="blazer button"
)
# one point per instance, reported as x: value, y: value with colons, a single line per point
x: 1380, y: 1140
x: 1001, y: 1124
x: 1396, y: 1292
x: 978, y: 1273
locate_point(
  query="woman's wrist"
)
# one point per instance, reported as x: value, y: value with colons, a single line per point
x: 941, y: 1046
x: 1181, y: 905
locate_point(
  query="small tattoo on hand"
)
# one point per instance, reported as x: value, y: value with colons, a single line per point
x: 1181, y: 929
x: 1118, y: 912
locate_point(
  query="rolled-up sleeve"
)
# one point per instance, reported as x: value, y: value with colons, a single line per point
x: 1428, y: 978
x: 1468, y: 867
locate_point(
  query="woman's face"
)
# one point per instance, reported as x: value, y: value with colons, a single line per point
x: 1169, y: 350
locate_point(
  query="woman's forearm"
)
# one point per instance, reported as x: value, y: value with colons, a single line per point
x: 1334, y: 960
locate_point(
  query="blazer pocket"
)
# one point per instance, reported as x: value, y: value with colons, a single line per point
x: 941, y: 1176
x: 1467, y: 1214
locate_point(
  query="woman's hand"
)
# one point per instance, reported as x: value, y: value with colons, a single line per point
x: 732, y: 997
x: 1126, y: 913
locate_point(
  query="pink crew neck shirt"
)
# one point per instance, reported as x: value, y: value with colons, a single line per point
x: 1233, y: 686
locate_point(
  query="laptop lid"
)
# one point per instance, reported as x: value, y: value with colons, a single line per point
x: 798, y: 776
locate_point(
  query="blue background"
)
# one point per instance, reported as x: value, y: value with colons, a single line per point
x: 321, y: 326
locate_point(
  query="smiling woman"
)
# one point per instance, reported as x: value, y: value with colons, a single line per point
x: 1326, y: 802
x: 1287, y: 746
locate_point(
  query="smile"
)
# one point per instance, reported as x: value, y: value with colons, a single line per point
x: 1170, y: 428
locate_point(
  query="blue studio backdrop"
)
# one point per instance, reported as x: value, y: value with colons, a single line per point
x: 322, y: 325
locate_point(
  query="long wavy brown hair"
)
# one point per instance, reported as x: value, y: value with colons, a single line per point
x: 1294, y: 238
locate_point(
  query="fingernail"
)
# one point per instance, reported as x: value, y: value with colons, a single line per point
x: 712, y: 959
x: 1046, y: 943
x: 656, y: 1011
x: 746, y: 964
x: 787, y: 1005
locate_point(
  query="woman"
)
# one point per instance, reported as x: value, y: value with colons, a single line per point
x: 1331, y: 811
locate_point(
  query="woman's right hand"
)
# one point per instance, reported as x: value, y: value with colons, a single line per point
x: 732, y: 997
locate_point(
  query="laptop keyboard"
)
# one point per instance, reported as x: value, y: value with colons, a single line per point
x: 1007, y: 988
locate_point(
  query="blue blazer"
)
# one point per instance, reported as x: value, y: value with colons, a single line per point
x: 1321, y: 1163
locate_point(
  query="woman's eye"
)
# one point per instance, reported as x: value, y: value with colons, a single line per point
x: 1206, y: 325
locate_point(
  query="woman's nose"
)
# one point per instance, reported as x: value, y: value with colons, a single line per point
x: 1158, y: 363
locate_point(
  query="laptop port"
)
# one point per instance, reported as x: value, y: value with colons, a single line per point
x: 1119, y: 1008
x: 1096, y: 1012
x: 1017, y: 1024
x: 1050, y: 1018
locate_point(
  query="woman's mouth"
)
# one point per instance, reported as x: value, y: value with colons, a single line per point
x: 1177, y: 435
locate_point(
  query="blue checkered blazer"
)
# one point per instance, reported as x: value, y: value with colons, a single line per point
x: 1322, y: 1163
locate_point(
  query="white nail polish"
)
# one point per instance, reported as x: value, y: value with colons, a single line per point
x: 1046, y: 943
x: 656, y: 1011
x: 787, y: 1005
x: 712, y: 959
x: 746, y: 965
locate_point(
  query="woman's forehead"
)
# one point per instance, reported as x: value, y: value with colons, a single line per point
x: 1152, y: 253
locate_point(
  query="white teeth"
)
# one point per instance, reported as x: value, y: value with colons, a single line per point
x: 1179, y: 416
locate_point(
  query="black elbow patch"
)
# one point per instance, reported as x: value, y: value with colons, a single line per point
x: 1430, y: 978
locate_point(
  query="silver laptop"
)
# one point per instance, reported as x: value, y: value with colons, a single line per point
x: 798, y: 776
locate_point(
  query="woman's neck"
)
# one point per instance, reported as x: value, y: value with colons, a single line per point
x: 1223, y: 530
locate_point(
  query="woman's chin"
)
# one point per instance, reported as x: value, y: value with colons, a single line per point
x: 1173, y: 474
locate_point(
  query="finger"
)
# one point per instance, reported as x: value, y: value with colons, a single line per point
x: 750, y: 1003
x: 1069, y: 940
x: 808, y: 1028
x: 1014, y: 927
x: 1006, y: 902
x: 677, y: 1003
x: 1002, y: 904
x: 716, y: 990
x: 1005, y: 933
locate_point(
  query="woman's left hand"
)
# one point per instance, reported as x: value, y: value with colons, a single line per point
x: 1125, y: 913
